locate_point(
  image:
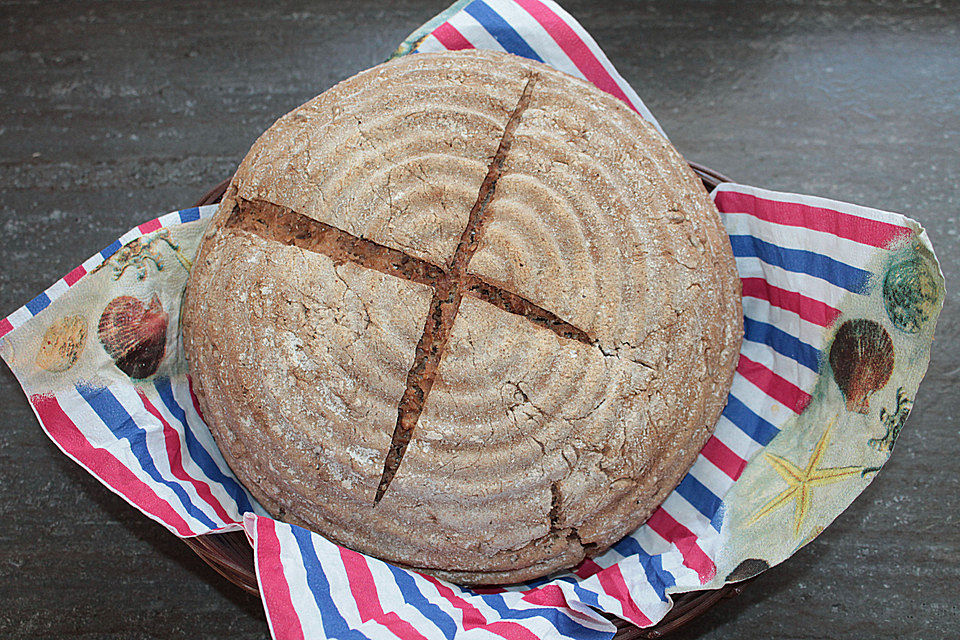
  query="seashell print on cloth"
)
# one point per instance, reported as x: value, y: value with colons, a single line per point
x: 62, y: 344
x: 134, y: 334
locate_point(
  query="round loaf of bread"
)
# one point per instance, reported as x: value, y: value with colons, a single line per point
x: 465, y: 313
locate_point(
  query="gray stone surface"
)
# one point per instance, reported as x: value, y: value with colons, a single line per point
x: 114, y: 112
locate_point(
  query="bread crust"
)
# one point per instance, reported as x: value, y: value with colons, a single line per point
x: 533, y: 450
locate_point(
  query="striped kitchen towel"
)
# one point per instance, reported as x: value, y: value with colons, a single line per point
x: 806, y: 265
x: 537, y: 29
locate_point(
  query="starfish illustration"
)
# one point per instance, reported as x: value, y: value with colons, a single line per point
x: 802, y: 481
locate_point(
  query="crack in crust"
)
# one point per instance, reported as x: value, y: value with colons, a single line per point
x: 445, y: 305
x: 285, y: 226
x: 518, y: 305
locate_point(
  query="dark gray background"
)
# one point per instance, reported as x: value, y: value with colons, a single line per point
x: 112, y: 113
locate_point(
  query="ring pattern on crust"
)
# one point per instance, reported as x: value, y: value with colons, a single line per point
x: 536, y: 445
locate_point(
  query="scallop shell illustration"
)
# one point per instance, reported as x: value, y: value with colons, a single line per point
x: 134, y: 334
x: 862, y: 361
x: 62, y: 344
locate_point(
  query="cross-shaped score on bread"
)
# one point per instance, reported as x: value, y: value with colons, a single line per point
x: 461, y: 320
x: 450, y: 282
